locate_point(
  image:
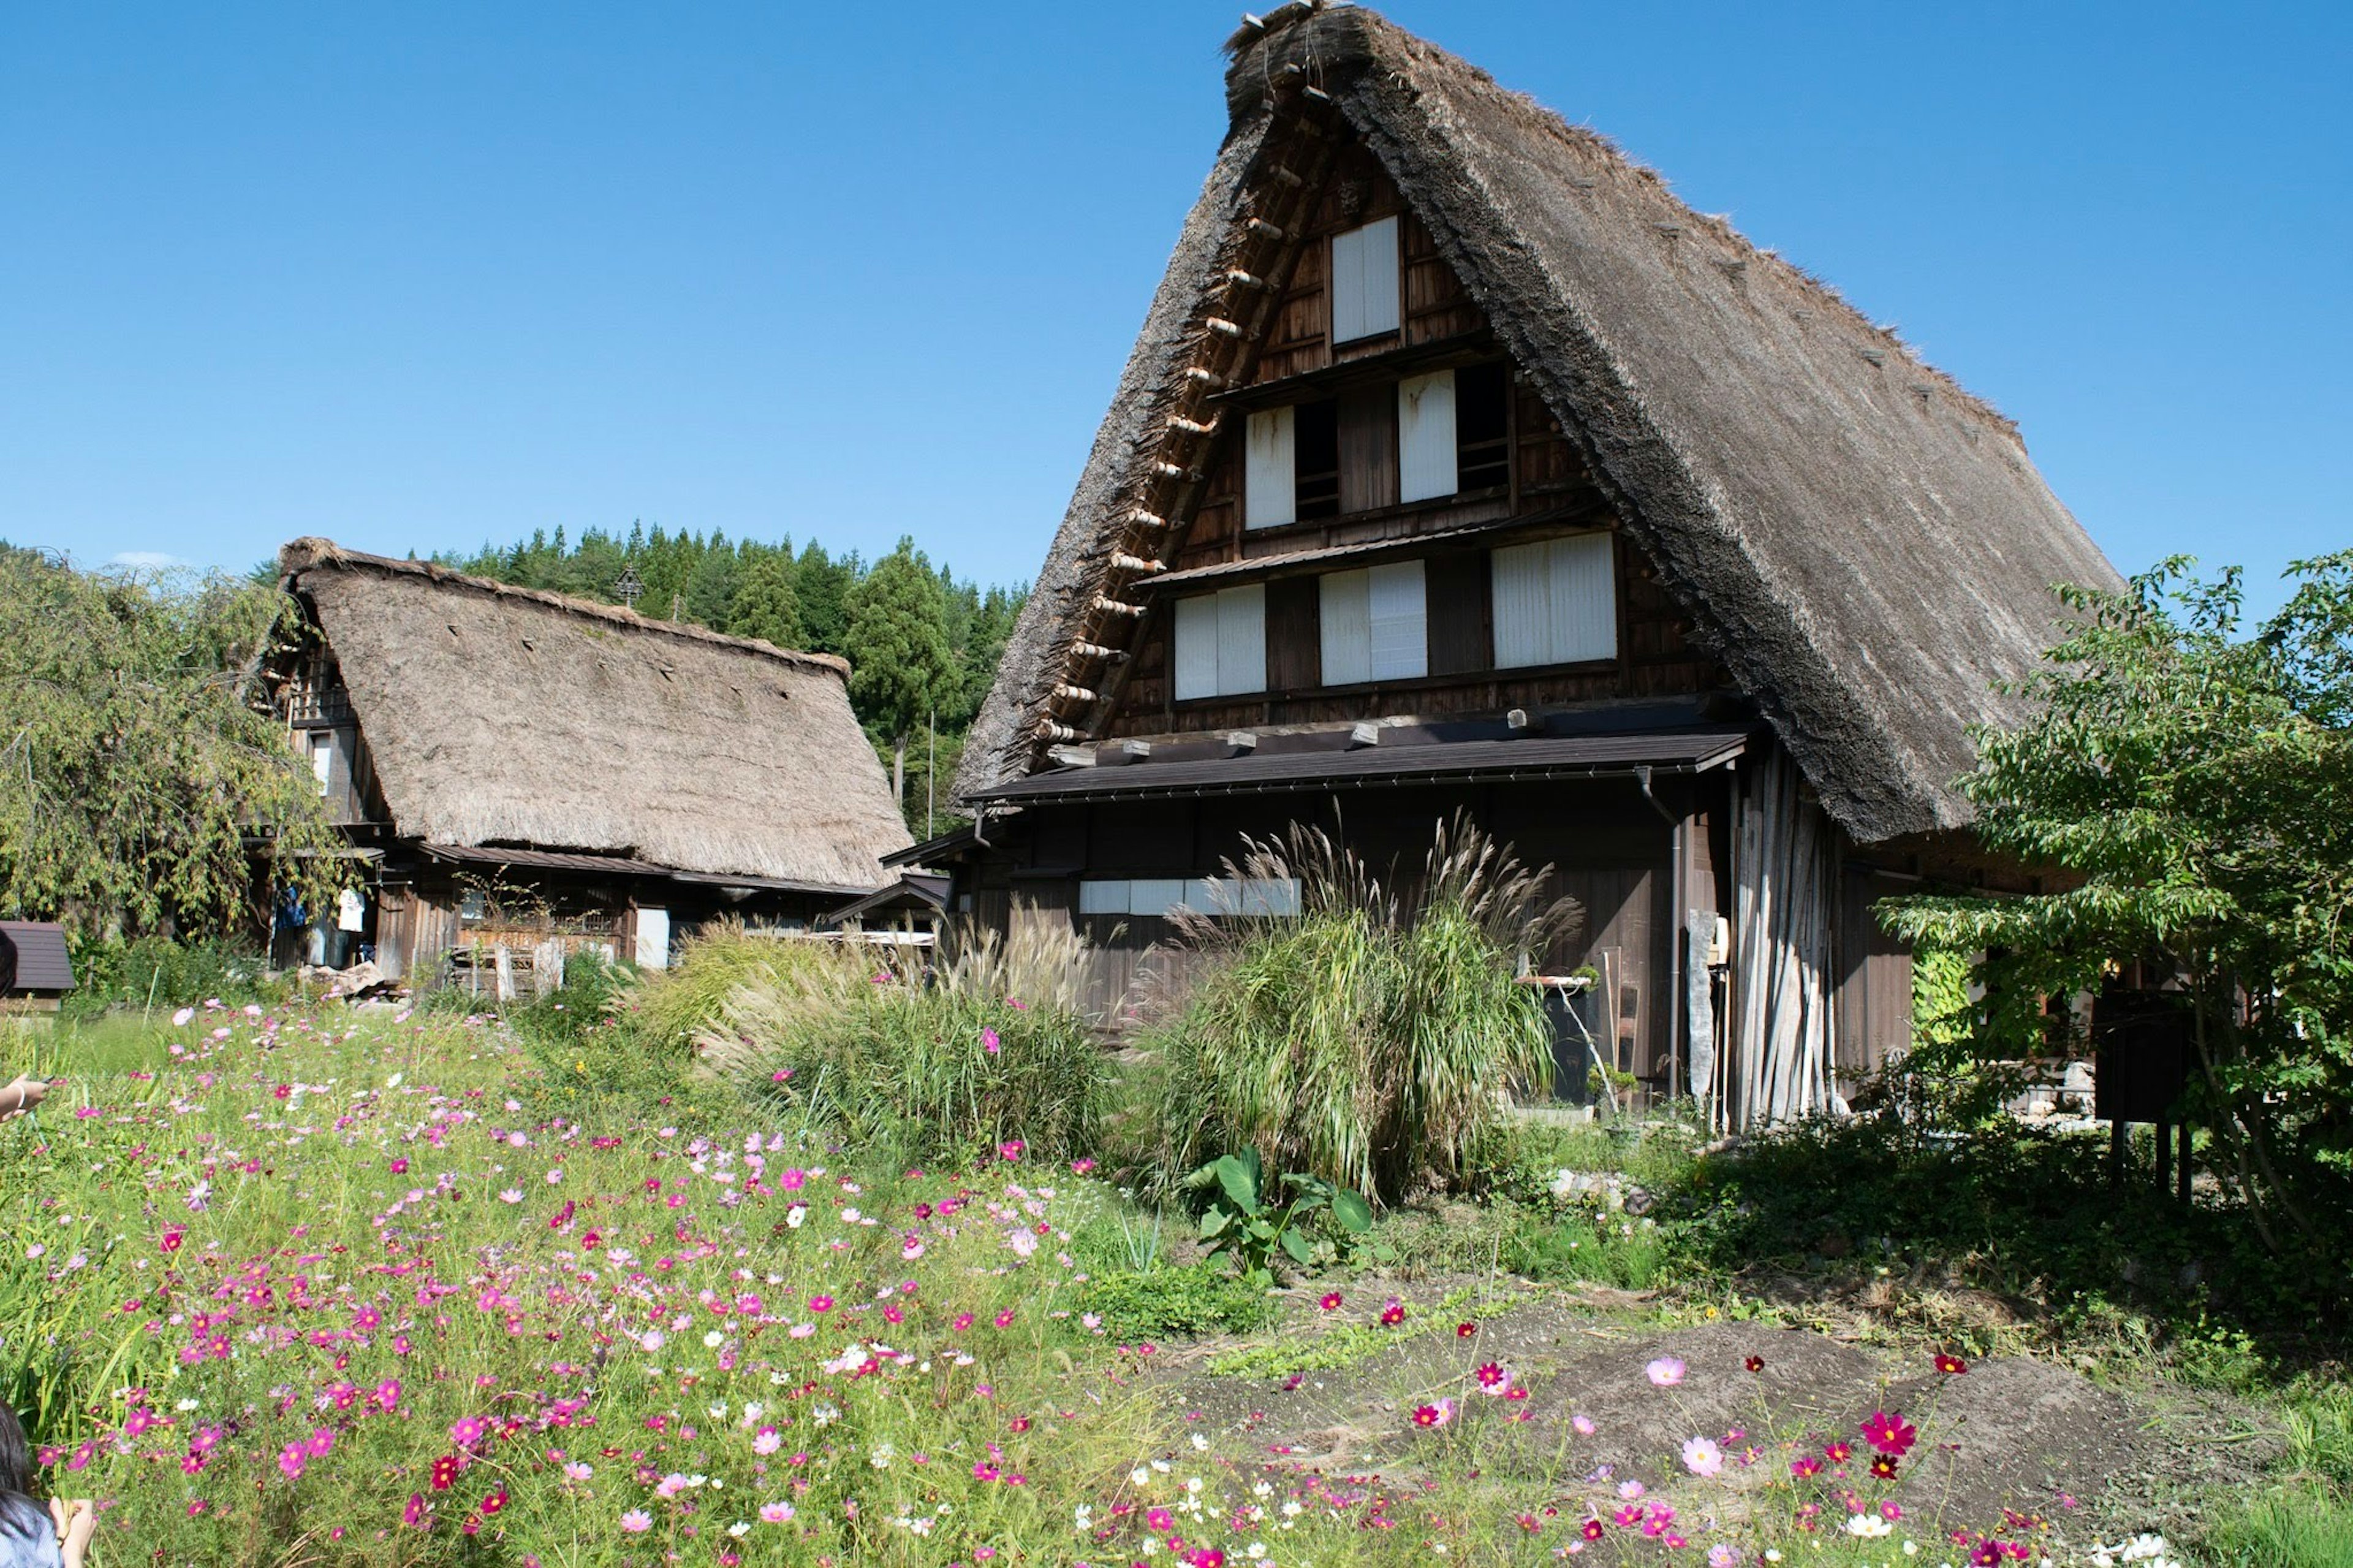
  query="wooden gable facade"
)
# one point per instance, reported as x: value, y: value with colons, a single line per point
x: 1409, y: 506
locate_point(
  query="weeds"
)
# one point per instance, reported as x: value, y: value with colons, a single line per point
x: 1375, y: 1039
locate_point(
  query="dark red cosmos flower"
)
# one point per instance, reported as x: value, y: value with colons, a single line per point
x: 494, y: 1501
x: 1590, y: 1529
x: 1464, y: 1331
x: 1019, y: 1424
x: 445, y: 1472
x: 1951, y: 1365
x: 172, y: 1239
x: 1889, y: 1433
x: 1883, y: 1466
x: 1393, y: 1313
x: 1755, y: 1363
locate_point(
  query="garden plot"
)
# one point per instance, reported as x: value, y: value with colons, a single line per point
x: 1721, y: 1429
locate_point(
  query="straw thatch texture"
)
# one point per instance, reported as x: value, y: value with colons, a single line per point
x: 502, y: 715
x: 1864, y: 545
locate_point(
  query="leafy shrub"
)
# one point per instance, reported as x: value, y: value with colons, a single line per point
x: 1186, y: 1303
x: 1374, y: 1039
x: 159, y: 972
x: 1249, y: 1221
x: 669, y: 1011
x: 945, y: 1062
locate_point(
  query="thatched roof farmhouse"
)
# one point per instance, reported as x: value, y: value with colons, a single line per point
x: 514, y: 759
x: 1453, y: 436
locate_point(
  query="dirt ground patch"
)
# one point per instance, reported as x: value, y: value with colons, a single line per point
x: 2011, y: 1434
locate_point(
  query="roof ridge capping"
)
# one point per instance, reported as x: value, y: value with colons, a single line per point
x: 1335, y: 48
x: 313, y: 553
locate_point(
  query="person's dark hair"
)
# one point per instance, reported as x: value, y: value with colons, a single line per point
x: 15, y: 1454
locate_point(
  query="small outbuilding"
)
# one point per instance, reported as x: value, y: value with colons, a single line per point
x: 35, y: 969
x: 521, y: 775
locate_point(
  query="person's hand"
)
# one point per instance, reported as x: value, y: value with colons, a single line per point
x: 77, y: 1521
x: 23, y: 1094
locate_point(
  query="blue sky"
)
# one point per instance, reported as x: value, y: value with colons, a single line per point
x: 420, y: 276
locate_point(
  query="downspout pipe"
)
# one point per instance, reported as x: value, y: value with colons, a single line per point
x: 1677, y: 939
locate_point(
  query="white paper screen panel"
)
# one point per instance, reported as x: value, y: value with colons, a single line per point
x: 1399, y: 615
x: 1365, y: 301
x: 1241, y: 639
x: 1555, y: 602
x: 1197, y: 648
x: 1425, y: 436
x: 1345, y: 614
x: 1158, y: 896
x: 1270, y: 472
x: 1584, y: 599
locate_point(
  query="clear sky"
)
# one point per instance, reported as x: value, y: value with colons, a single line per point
x: 424, y: 275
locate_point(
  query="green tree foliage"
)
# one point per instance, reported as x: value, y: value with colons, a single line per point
x: 132, y: 771
x: 2195, y: 786
x: 765, y: 605
x: 903, y: 665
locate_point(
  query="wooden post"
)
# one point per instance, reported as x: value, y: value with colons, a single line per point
x: 2181, y: 1169
x: 2164, y: 1157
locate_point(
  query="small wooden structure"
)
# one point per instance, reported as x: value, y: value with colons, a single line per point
x: 523, y: 777
x: 1460, y: 467
x: 35, y: 969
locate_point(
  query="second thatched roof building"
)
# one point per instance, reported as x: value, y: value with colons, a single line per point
x: 524, y: 774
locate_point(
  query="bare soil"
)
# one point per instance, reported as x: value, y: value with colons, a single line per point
x: 2013, y: 1432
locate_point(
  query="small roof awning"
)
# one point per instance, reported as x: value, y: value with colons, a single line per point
x: 914, y: 892
x: 1451, y: 761
x: 621, y: 866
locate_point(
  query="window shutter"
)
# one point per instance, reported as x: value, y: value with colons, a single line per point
x: 1270, y: 492
x: 1241, y: 639
x: 1426, y: 435
x: 1399, y: 622
x: 1197, y: 648
x: 1346, y: 616
x: 1364, y: 282
x: 1583, y: 596
x: 1523, y: 605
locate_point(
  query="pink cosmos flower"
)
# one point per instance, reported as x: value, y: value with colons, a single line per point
x: 820, y: 1303
x: 1666, y: 1371
x: 1703, y: 1459
x: 1891, y: 1435
x: 387, y: 1394
x: 415, y: 1514
x: 637, y: 1521
x: 289, y: 1459
x: 989, y: 1041
x: 775, y: 1513
x: 322, y: 1444
x: 1584, y: 1425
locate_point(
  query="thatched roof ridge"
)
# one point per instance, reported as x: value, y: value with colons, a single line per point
x: 497, y: 715
x: 1864, y: 544
x: 304, y: 554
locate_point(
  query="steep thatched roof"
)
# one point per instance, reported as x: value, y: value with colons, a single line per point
x: 1864, y: 545
x: 502, y: 715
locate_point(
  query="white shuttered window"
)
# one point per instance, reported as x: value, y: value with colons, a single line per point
x: 1425, y: 436
x: 1221, y: 642
x: 1270, y: 471
x: 1364, y: 282
x: 1555, y: 602
x: 1375, y: 625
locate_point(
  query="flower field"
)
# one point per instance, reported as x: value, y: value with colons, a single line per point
x: 283, y: 1287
